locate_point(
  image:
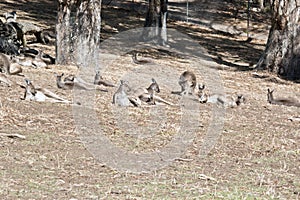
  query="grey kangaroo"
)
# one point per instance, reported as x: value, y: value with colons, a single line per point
x: 9, y: 65
x: 71, y: 82
x: 100, y: 81
x: 281, y: 101
x: 41, y: 94
x: 138, y: 62
x: 188, y: 82
x: 120, y: 97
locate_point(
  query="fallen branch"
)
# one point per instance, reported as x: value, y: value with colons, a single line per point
x: 12, y: 135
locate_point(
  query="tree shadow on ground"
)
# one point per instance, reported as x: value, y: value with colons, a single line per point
x: 42, y: 12
x: 212, y: 25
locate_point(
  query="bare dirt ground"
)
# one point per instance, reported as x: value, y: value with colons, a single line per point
x: 256, y: 156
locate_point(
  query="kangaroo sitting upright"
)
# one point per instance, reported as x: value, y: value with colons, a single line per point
x: 9, y: 65
x: 120, y: 97
x: 282, y: 101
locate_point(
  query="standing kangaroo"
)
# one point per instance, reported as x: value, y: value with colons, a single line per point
x: 188, y: 82
x: 281, y: 101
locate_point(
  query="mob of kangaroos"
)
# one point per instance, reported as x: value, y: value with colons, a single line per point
x: 282, y: 101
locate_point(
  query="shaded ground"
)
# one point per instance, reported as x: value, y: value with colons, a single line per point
x: 256, y: 156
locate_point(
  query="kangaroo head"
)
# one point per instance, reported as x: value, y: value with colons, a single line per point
x: 29, y: 87
x: 201, y: 87
x: 59, y: 76
x: 240, y: 99
x: 154, y: 86
x: 124, y: 86
x: 270, y: 95
x: 202, y: 94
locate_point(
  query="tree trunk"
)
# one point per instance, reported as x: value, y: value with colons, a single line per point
x: 156, y: 19
x: 87, y: 32
x: 78, y: 38
x: 63, y: 33
x: 282, y: 53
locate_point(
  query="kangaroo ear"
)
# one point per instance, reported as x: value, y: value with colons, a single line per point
x: 27, y: 81
x: 201, y: 87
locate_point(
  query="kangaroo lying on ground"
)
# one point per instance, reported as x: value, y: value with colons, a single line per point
x: 35, y: 58
x: 282, y: 101
x: 41, y: 94
x: 100, y: 81
x: 136, y: 61
x: 148, y: 95
x: 230, y: 101
x: 72, y: 81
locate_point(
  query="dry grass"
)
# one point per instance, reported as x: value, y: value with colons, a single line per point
x: 255, y: 157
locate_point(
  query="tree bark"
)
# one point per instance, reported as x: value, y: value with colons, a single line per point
x: 63, y: 34
x: 78, y: 37
x: 282, y: 53
x: 156, y: 19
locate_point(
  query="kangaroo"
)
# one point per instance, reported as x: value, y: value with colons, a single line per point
x: 9, y: 65
x: 224, y: 100
x: 138, y: 62
x: 147, y: 95
x: 120, y: 97
x: 100, y: 81
x: 4, y: 79
x: 40, y: 94
x: 69, y: 84
x: 282, y: 101
x: 35, y: 59
x: 187, y: 82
